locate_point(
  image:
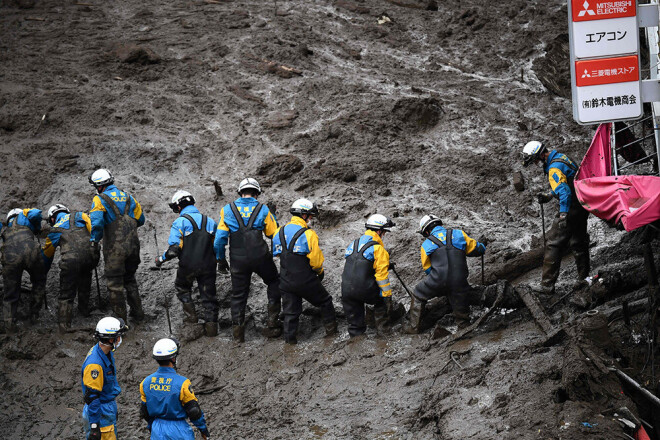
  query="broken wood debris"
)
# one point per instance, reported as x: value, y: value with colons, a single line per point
x: 34, y: 19
x: 273, y: 67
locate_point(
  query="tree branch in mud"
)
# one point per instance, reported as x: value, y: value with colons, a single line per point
x: 272, y: 67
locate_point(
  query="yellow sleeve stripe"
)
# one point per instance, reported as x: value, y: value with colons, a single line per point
x: 48, y: 248
x: 221, y: 224
x: 426, y: 261
x: 142, y: 396
x: 315, y: 254
x: 556, y: 178
x: 93, y: 377
x: 186, y: 394
x: 270, y: 225
x: 470, y: 243
x: 88, y: 222
x: 137, y: 212
x: 97, y: 205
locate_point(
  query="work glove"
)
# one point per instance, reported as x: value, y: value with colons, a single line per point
x: 391, y: 266
x: 562, y: 224
x: 543, y: 198
x: 223, y: 266
x: 388, y: 305
x: 95, y: 431
x: 158, y: 261
x: 205, y: 433
x: 321, y: 275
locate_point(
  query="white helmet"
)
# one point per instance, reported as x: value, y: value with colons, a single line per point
x: 55, y: 209
x: 180, y: 197
x: 427, y: 223
x: 378, y: 222
x: 13, y: 213
x: 101, y: 177
x: 304, y: 206
x: 249, y: 183
x: 166, y: 349
x: 110, y: 327
x: 532, y: 152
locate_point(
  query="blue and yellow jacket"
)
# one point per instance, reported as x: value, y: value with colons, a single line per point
x: 53, y: 239
x: 459, y: 239
x: 30, y: 217
x: 166, y: 393
x: 100, y: 388
x: 307, y: 244
x: 102, y: 215
x: 227, y: 223
x: 182, y: 227
x: 381, y: 258
x: 560, y: 176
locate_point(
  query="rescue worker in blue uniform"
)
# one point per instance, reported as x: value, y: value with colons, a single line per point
x: 99, y: 381
x: 248, y: 254
x: 301, y: 270
x: 71, y: 232
x: 115, y: 217
x: 191, y: 241
x: 443, y: 256
x: 21, y: 251
x: 168, y: 399
x: 569, y: 228
x: 365, y: 279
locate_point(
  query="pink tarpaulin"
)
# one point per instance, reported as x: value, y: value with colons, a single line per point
x: 633, y: 201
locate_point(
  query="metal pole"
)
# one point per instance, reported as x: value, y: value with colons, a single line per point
x: 543, y: 225
x: 483, y: 273
x: 402, y: 283
x: 615, y: 159
x: 98, y: 289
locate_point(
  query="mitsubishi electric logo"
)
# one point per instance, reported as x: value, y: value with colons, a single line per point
x: 586, y: 10
x: 586, y: 74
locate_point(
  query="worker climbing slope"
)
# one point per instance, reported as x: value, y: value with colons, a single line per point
x: 365, y: 279
x: 569, y: 228
x: 71, y: 232
x: 21, y: 252
x: 115, y: 217
x: 191, y: 241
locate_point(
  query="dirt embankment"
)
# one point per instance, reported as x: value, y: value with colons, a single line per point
x: 398, y: 107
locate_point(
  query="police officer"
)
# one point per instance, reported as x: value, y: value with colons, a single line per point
x: 21, y: 252
x: 115, y: 217
x: 570, y: 226
x: 301, y: 270
x: 191, y: 241
x: 243, y: 223
x: 99, y: 381
x: 71, y: 233
x: 366, y: 277
x: 444, y: 260
x: 168, y: 398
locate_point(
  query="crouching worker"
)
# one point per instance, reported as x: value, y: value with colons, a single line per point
x: 301, y: 270
x: 443, y: 259
x: 99, y: 381
x: 168, y: 399
x: 365, y: 279
x: 191, y: 241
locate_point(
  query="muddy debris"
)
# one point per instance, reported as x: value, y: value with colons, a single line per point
x: 280, y: 168
x: 133, y: 53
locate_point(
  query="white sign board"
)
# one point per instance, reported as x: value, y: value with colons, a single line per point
x: 597, y: 38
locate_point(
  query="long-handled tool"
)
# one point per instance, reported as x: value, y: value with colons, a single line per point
x: 483, y: 273
x: 402, y: 283
x: 160, y: 269
x: 98, y: 289
x: 543, y: 225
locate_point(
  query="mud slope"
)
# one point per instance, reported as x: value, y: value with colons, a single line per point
x: 362, y: 106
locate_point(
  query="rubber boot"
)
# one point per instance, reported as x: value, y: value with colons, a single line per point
x: 64, y: 315
x: 583, y: 265
x: 9, y: 316
x: 238, y: 330
x: 330, y: 329
x: 411, y: 326
x: 83, y: 305
x: 274, y: 326
x: 461, y: 319
x: 134, y: 301
x: 211, y: 329
x: 189, y: 314
x: 381, y: 319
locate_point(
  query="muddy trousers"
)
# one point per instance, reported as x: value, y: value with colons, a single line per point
x: 573, y: 235
x: 354, y: 309
x: 120, y: 276
x: 76, y: 279
x: 241, y: 275
x: 207, y: 292
x: 11, y: 275
x: 292, y: 304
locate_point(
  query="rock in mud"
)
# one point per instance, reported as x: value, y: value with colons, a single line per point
x: 418, y: 113
x: 553, y: 69
x: 518, y: 181
x: 133, y: 53
x: 353, y: 7
x: 281, y: 119
x: 279, y: 168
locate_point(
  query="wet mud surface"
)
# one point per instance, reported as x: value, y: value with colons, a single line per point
x: 363, y: 106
